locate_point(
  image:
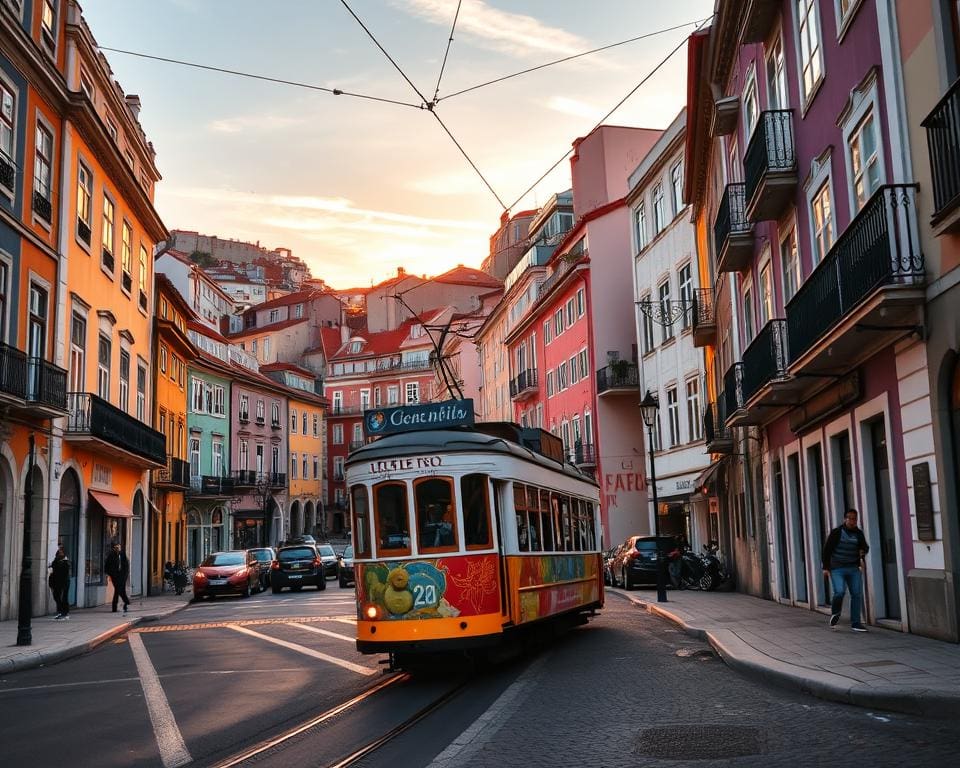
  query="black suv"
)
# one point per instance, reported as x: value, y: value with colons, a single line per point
x: 635, y: 561
x: 297, y: 566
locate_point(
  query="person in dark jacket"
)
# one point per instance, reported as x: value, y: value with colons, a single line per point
x: 60, y: 583
x: 843, y: 552
x: 117, y: 567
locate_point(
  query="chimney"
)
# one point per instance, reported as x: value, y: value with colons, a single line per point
x: 401, y: 272
x: 133, y: 104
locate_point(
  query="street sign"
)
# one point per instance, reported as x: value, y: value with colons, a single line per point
x: 409, y: 418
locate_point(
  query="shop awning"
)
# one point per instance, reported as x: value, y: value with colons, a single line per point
x: 705, y: 480
x: 110, y: 504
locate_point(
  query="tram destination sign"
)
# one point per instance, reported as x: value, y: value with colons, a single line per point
x: 409, y: 418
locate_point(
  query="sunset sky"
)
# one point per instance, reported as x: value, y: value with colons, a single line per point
x: 357, y: 187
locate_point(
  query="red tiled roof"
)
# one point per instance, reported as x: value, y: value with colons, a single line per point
x: 206, y: 330
x: 330, y: 340
x: 288, y: 299
x: 278, y: 326
x: 461, y: 275
x: 379, y: 343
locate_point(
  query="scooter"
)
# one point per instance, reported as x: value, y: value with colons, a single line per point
x: 722, y: 577
x: 698, y: 571
x: 176, y: 576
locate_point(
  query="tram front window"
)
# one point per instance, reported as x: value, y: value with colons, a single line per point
x: 393, y: 525
x: 436, y: 523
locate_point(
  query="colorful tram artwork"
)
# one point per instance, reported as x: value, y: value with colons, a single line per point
x: 464, y: 537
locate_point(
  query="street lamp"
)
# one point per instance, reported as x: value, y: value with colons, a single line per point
x: 648, y: 409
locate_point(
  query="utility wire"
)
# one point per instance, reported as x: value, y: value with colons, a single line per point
x: 310, y: 86
x: 467, y: 158
x: 561, y: 61
x: 384, y: 51
x: 617, y: 106
x: 447, y: 52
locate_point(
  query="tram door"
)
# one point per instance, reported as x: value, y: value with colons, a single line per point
x: 500, y: 492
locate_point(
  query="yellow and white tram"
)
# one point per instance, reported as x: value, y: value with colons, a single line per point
x: 463, y: 536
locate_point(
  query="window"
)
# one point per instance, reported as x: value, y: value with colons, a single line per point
x: 359, y: 520
x: 244, y: 454
x: 685, y: 277
x: 266, y: 349
x: 293, y: 466
x: 377, y: 398
x: 777, y: 77
x: 694, y: 422
x: 364, y: 401
x: 124, y: 381
x: 476, y: 511
x: 561, y: 377
x: 391, y: 518
x: 7, y: 132
x: 574, y: 378
x: 143, y: 278
x: 103, y: 367
x: 673, y: 414
x: 293, y: 421
x: 258, y: 457
x: 106, y: 235
x: 219, y: 400
x: 864, y: 160
x: 751, y: 106
x: 48, y: 25
x: 582, y: 359
x: 393, y: 395
x: 244, y: 408
x: 78, y: 350
x: 581, y: 302
x: 163, y: 359
x: 194, y: 457
x: 304, y: 422
x: 126, y: 256
x: 822, y: 215
x: 811, y: 54
x: 571, y: 313
x: 558, y: 322
x: 216, y: 459
x: 316, y: 467
x: 550, y: 389
x: 659, y: 214
x: 358, y: 432
x: 435, y: 512
x: 338, y: 434
x: 141, y: 390
x: 338, y: 467
x: 766, y: 294
x: 298, y: 310
x: 112, y: 128
x: 43, y: 173
x: 84, y: 200
x: 412, y: 393
x: 316, y: 423
x: 275, y: 414
x: 261, y: 412
x: 665, y: 309
x: 275, y: 459
x: 648, y: 340
x: 87, y: 86
x: 748, y: 329
x: 305, y: 467
x: 790, y: 265
x: 274, y: 316
x: 676, y: 182
x: 196, y: 395
x: 640, y: 223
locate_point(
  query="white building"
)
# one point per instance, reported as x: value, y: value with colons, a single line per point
x: 665, y: 282
x: 205, y: 297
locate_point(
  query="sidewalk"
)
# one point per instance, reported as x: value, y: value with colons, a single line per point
x: 796, y: 648
x: 87, y: 628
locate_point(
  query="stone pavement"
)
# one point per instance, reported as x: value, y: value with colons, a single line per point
x: 87, y: 628
x: 796, y: 648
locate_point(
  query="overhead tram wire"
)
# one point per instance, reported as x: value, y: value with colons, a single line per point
x: 565, y: 59
x: 252, y: 76
x: 617, y: 106
x: 446, y: 53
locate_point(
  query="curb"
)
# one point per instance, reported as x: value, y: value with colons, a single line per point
x: 30, y: 659
x: 750, y: 662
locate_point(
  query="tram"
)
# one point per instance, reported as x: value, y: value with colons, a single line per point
x: 465, y: 535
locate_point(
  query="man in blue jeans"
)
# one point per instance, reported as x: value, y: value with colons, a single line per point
x: 845, y: 548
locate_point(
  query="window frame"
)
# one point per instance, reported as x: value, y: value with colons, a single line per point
x: 452, y: 511
x: 360, y: 522
x: 866, y: 106
x: 14, y: 92
x: 658, y: 203
x: 802, y: 20
x: 673, y: 416
x: 393, y: 551
x: 43, y: 127
x: 108, y: 230
x: 664, y: 301
x: 694, y: 414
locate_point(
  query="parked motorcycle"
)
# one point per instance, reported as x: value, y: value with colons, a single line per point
x: 722, y: 577
x: 176, y: 576
x: 697, y: 571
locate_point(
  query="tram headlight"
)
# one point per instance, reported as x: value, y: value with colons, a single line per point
x: 371, y: 611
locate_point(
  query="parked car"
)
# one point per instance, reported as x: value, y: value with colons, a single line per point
x: 304, y: 539
x: 636, y: 560
x: 297, y: 566
x: 265, y: 556
x: 222, y: 573
x: 345, y: 566
x: 329, y: 558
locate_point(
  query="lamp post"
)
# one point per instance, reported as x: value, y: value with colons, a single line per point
x: 648, y: 409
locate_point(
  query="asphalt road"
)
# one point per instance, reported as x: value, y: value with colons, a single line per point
x: 626, y: 690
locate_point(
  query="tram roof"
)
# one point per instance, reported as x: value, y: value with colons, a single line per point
x: 459, y: 440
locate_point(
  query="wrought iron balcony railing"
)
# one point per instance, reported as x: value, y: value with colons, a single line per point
x: 355, y: 444
x: 771, y: 154
x: 13, y: 372
x: 943, y: 145
x: 8, y: 171
x: 618, y: 375
x: 244, y: 478
x: 881, y: 247
x: 717, y: 436
x: 92, y: 416
x: 732, y: 232
x: 584, y: 454
x: 765, y: 359
x: 46, y: 383
x: 703, y: 318
x: 732, y: 391
x: 524, y: 382
x: 42, y: 206
x: 176, y: 472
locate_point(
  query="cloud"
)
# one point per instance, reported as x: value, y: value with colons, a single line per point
x: 512, y: 33
x: 573, y: 107
x: 253, y: 124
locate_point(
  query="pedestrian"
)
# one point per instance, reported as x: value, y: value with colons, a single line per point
x: 844, y: 550
x: 59, y: 582
x: 117, y: 567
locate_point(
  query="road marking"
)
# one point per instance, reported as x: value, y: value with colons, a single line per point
x: 308, y: 651
x: 235, y: 622
x: 344, y: 619
x: 326, y: 632
x: 80, y: 684
x: 173, y: 751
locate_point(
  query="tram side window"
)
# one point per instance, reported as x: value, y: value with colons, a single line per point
x: 533, y: 517
x: 393, y: 522
x: 436, y: 518
x: 591, y: 529
x: 520, y: 507
x: 564, y: 502
x: 476, y: 511
x: 360, y: 509
x: 581, y: 525
x: 546, y: 527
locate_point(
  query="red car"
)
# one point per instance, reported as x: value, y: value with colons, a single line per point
x: 222, y: 573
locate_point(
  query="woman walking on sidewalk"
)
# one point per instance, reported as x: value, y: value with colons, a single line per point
x: 60, y: 583
x: 846, y: 546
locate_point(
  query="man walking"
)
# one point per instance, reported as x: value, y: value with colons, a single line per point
x: 117, y: 568
x: 845, y: 548
x: 60, y: 583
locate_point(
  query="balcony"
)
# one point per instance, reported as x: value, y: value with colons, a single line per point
x: 275, y: 424
x: 261, y: 421
x: 584, y: 455
x: 42, y: 206
x: 355, y: 444
x: 8, y: 171
x: 759, y: 19
x: 865, y: 295
x: 734, y: 412
x: 31, y: 385
x: 83, y: 231
x: 770, y: 166
x: 106, y: 259
x: 211, y: 486
x: 766, y: 386
x: 338, y: 476
x: 524, y: 385
x: 176, y: 474
x: 703, y: 320
x: 243, y: 478
x: 103, y: 427
x: 275, y: 479
x: 725, y: 112
x: 943, y: 145
x: 243, y: 417
x: 732, y: 233
x: 618, y: 378
x: 346, y: 410
x: 718, y: 437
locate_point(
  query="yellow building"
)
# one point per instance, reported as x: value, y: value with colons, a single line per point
x: 172, y: 352
x: 305, y: 446
x: 108, y: 237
